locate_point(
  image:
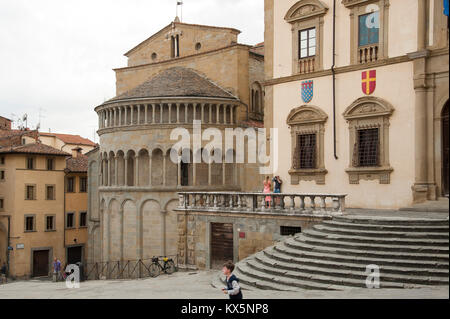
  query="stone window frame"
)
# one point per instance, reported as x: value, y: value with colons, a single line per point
x: 79, y: 219
x: 2, y: 206
x: 2, y: 175
x: 357, y: 8
x: 54, y: 222
x: 25, y: 223
x: 365, y: 113
x: 306, y: 14
x: 34, y: 191
x: 74, y: 220
x: 46, y: 192
x: 308, y: 119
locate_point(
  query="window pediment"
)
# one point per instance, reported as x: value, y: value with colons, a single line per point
x: 368, y: 107
x: 305, y: 9
x: 305, y: 115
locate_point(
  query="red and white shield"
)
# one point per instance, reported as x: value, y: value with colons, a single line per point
x: 369, y: 81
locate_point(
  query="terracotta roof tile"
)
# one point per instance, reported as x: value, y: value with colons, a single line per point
x: 71, y: 139
x: 174, y: 82
x: 77, y: 164
x: 35, y: 148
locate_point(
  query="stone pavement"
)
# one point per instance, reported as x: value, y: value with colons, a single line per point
x: 192, y: 285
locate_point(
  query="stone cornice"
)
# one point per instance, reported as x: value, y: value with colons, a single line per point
x: 305, y: 9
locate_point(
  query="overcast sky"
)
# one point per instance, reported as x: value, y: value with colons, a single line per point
x: 57, y: 56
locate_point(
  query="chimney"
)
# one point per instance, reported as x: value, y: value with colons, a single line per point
x: 76, y: 151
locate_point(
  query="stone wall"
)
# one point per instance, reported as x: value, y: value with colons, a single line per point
x: 259, y: 231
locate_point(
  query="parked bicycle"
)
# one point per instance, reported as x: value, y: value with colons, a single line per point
x: 165, y: 265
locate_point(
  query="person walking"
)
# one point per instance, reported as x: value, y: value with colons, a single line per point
x: 267, y: 186
x: 233, y: 290
x: 56, y: 269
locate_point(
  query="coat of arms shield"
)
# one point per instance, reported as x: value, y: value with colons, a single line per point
x: 369, y: 81
x: 307, y: 91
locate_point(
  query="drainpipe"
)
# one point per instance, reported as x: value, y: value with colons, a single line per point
x: 334, y: 78
x: 9, y: 244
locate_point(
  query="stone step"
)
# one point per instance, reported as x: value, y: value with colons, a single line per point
x: 219, y: 282
x: 391, y: 267
x: 392, y: 221
x: 381, y: 233
x: 295, y: 277
x: 358, y: 237
x: 359, y: 274
x: 261, y: 283
x: 389, y: 228
x: 369, y: 247
x: 354, y: 251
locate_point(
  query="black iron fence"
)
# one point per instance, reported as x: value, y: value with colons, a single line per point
x: 125, y: 269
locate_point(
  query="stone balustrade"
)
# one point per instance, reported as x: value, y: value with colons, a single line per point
x: 368, y: 53
x: 295, y: 203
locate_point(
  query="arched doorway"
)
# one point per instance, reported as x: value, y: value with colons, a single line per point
x: 445, y: 150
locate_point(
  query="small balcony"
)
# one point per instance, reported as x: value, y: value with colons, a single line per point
x: 280, y: 203
x: 307, y: 65
x: 368, y: 53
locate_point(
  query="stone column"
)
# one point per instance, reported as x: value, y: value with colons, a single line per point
x: 153, y: 113
x: 232, y: 114
x: 136, y: 170
x: 126, y: 115
x: 209, y: 171
x: 225, y: 107
x: 138, y: 108
x: 164, y: 169
x: 170, y: 112
x: 179, y: 171
x: 223, y: 172
x: 203, y: 112
x: 178, y: 113
x: 109, y: 170
x: 194, y: 105
x: 146, y: 113
x: 186, y: 107
x: 218, y: 113
x: 131, y: 114
x: 116, y: 173
x: 126, y: 170
x: 161, y: 111
x: 120, y: 116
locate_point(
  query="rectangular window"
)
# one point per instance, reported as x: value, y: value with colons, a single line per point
x: 70, y: 220
x: 70, y: 185
x: 30, y: 163
x: 2, y: 204
x: 83, y: 219
x: 50, y: 192
x: 29, y: 223
x: 369, y: 28
x: 30, y: 192
x: 50, y: 164
x: 83, y: 184
x: 49, y: 223
x: 307, y: 43
x: 368, y: 147
x: 2, y: 160
x: 2, y: 175
x: 306, y: 144
x: 289, y: 230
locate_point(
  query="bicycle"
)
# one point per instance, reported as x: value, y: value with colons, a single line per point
x: 167, y: 266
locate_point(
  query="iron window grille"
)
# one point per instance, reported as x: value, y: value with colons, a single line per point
x: 306, y: 148
x: 368, y: 147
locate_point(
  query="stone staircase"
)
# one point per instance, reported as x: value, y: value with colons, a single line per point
x: 333, y: 255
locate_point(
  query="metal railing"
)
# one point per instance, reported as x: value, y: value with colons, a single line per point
x: 263, y: 202
x: 125, y: 269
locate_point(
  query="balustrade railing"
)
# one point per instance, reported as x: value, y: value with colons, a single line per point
x: 294, y: 203
x: 368, y: 53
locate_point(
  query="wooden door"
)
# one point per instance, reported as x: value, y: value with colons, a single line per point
x: 221, y: 244
x: 41, y: 265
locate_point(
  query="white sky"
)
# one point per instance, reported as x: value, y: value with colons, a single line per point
x: 57, y: 56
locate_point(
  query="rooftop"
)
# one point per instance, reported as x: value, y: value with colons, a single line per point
x: 70, y: 139
x: 34, y: 148
x: 176, y: 82
x: 77, y: 164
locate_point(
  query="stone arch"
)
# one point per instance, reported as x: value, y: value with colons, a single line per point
x: 129, y: 230
x: 305, y: 9
x: 144, y: 170
x: 171, y: 232
x: 369, y: 106
x: 157, y: 167
x: 120, y: 168
x: 130, y: 167
x: 306, y: 114
x: 216, y: 168
x: 230, y: 167
x: 111, y: 169
x: 171, y: 170
x: 150, y: 229
x: 257, y: 98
